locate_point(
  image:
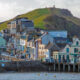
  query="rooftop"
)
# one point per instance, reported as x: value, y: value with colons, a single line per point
x: 52, y: 46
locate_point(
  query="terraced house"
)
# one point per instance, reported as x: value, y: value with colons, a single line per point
x: 71, y: 53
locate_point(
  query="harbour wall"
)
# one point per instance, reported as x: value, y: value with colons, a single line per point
x: 38, y: 66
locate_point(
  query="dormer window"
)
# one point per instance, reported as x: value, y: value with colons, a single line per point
x: 77, y: 43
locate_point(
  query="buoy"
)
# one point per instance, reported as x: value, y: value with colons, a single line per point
x: 45, y: 74
x: 55, y: 76
x: 38, y: 74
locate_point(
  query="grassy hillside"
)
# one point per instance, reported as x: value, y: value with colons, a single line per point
x: 52, y: 19
x: 38, y: 17
x: 3, y: 26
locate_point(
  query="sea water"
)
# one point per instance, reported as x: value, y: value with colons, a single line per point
x: 39, y: 76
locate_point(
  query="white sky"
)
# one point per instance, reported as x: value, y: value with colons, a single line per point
x: 12, y: 8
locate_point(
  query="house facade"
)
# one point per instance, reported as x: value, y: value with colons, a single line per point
x: 46, y: 46
x: 31, y: 49
x: 2, y: 44
x: 42, y: 51
x: 71, y: 53
x: 20, y: 24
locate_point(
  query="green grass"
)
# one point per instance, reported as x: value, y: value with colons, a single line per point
x: 3, y: 26
x: 73, y: 19
x: 39, y: 15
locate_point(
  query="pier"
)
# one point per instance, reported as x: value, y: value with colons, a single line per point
x: 66, y: 67
x: 37, y: 66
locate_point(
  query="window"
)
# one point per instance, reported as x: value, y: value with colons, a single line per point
x: 77, y: 43
x: 75, y: 50
x: 67, y: 50
x: 63, y: 57
x: 59, y: 58
x: 67, y: 58
x: 56, y: 56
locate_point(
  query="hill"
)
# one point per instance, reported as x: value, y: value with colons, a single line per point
x: 52, y: 19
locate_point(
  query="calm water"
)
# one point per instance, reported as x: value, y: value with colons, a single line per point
x: 39, y: 76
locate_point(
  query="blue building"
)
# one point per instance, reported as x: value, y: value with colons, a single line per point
x: 2, y: 44
x: 59, y: 37
x: 58, y: 34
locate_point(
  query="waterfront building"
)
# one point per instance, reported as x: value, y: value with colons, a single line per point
x: 31, y: 49
x: 71, y: 52
x: 55, y: 55
x: 41, y: 51
x: 45, y: 51
x: 48, y: 37
x: 23, y: 43
x: 2, y: 44
x: 51, y: 47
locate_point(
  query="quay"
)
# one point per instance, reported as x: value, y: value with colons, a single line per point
x: 38, y: 66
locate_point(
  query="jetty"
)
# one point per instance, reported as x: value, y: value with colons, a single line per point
x: 38, y: 66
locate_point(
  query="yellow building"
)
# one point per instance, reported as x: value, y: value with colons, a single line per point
x: 55, y: 55
x: 48, y: 51
x: 41, y: 51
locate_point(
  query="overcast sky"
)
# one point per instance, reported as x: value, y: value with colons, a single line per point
x: 12, y: 8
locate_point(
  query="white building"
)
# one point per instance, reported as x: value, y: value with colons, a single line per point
x: 71, y: 53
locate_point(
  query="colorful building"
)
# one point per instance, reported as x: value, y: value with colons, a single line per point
x: 2, y: 44
x: 20, y: 25
x: 71, y: 53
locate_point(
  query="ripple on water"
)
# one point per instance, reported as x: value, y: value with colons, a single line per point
x: 40, y: 76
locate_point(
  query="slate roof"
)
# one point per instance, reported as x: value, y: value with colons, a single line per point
x: 60, y: 45
x: 23, y: 37
x: 52, y: 47
x: 58, y: 34
x: 60, y: 39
